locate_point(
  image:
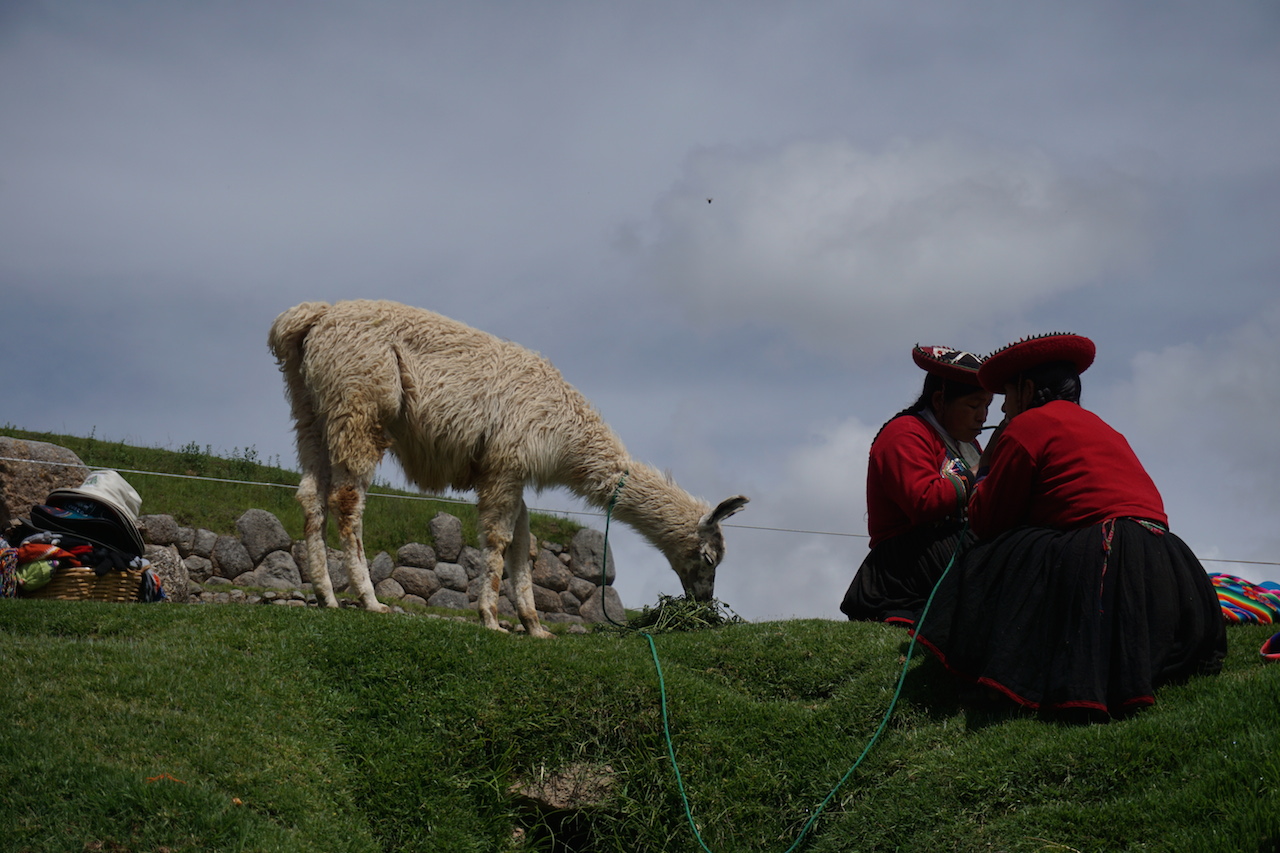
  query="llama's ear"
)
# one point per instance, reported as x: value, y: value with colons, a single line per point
x: 727, y: 507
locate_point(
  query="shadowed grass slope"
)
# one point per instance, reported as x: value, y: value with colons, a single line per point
x: 281, y: 729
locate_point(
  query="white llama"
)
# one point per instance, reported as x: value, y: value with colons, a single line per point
x: 464, y: 409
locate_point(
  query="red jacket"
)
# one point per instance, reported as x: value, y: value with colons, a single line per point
x: 1061, y: 466
x: 905, y: 486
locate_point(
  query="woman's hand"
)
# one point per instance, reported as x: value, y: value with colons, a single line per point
x: 962, y: 477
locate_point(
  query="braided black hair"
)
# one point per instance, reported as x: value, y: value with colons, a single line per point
x: 1054, y: 380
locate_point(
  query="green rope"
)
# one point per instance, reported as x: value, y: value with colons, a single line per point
x: 892, y: 704
x: 662, y: 692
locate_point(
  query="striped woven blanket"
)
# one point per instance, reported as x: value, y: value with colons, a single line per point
x: 1245, y: 601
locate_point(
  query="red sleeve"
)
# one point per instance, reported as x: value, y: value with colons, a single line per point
x: 908, y: 459
x: 1001, y: 500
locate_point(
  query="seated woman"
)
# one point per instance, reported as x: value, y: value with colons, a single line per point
x: 922, y: 467
x: 1077, y: 595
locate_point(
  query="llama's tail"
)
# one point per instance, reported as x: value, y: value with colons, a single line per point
x: 290, y: 330
x: 286, y: 339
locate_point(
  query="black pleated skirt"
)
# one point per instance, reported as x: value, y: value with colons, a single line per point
x: 1091, y: 619
x: 895, y: 580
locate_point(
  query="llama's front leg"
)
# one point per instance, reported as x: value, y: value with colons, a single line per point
x: 517, y: 566
x: 346, y: 502
x: 314, y: 517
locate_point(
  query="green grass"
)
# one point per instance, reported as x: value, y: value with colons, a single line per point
x: 168, y: 728
x: 215, y: 504
x: 149, y: 728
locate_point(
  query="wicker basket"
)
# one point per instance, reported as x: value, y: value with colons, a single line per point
x: 81, y: 584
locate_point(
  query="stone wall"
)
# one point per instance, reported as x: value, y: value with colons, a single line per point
x: 261, y: 563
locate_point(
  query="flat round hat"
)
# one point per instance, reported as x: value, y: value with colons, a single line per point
x: 947, y: 363
x: 104, y: 509
x: 1020, y: 356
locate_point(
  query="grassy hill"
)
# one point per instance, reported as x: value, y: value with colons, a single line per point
x: 236, y: 728
x: 171, y: 728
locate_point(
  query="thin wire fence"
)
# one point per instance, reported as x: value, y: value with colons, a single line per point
x: 588, y: 513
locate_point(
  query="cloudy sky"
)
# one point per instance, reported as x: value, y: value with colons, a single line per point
x: 725, y: 222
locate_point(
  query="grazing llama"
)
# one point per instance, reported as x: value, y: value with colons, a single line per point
x: 461, y: 408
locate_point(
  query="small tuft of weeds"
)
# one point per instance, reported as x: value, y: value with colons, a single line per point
x: 678, y: 613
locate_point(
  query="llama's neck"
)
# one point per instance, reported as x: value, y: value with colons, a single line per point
x: 656, y: 507
x: 637, y: 494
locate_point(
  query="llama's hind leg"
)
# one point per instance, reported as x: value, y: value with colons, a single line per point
x: 311, y: 493
x: 517, y: 566
x: 346, y: 503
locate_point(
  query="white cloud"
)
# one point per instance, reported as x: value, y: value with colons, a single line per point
x: 1214, y: 401
x: 1202, y: 417
x: 852, y: 249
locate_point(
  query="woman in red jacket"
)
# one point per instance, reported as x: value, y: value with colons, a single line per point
x: 1077, y: 595
x: 922, y: 467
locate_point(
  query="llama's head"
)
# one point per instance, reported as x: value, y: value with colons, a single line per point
x: 696, y: 563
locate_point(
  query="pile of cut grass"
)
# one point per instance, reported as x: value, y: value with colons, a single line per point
x: 679, y: 613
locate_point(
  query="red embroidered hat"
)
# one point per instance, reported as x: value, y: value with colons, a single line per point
x: 1007, y: 362
x: 947, y: 363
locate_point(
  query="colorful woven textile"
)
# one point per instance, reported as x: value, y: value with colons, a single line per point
x: 34, y: 552
x: 1245, y: 601
x: 8, y: 572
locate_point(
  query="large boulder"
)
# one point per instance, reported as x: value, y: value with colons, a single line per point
x: 452, y: 576
x: 202, y: 542
x: 199, y: 569
x: 587, y: 550
x: 389, y: 588
x: 583, y: 589
x: 30, y: 470
x: 472, y: 559
x: 446, y: 530
x: 278, y: 571
x: 261, y: 532
x: 594, y: 608
x: 547, y: 601
x: 417, y: 555
x: 168, y: 564
x: 549, y: 572
x: 420, y: 582
x: 229, y: 557
x: 160, y: 530
x: 381, y: 567
x: 186, y: 538
x: 449, y: 598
